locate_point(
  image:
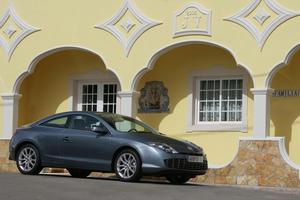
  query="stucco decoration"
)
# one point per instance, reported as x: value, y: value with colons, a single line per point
x: 261, y: 17
x: 154, y: 98
x: 127, y: 25
x: 13, y: 30
x: 192, y: 19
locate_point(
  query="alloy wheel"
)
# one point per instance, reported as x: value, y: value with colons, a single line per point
x: 126, y: 166
x: 27, y: 159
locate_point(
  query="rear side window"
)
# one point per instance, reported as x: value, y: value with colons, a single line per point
x: 60, y: 122
x: 83, y: 122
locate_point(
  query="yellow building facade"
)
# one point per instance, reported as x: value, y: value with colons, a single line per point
x: 230, y: 69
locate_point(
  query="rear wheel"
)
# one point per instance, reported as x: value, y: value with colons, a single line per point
x: 28, y: 160
x: 127, y: 166
x: 79, y: 173
x: 178, y: 179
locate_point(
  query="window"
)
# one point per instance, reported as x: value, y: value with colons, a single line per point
x: 126, y: 124
x: 220, y: 100
x: 89, y: 97
x: 83, y: 122
x: 110, y: 98
x: 60, y: 122
x: 96, y: 96
x: 218, y: 103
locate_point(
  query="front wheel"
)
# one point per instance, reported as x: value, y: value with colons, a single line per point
x: 28, y: 160
x: 79, y: 173
x: 178, y: 179
x: 127, y: 166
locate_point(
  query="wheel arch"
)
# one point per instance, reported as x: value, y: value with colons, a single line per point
x: 121, y: 149
x: 24, y: 143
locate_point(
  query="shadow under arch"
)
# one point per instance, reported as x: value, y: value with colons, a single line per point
x: 34, y: 62
x: 52, y: 81
x: 285, y: 111
x: 282, y: 64
x: 173, y: 67
x: 153, y: 59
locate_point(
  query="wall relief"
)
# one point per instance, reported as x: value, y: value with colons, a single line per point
x: 154, y: 98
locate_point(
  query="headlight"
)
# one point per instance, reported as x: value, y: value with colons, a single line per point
x: 163, y: 146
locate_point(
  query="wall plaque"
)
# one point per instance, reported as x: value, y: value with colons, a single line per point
x: 193, y: 19
x: 154, y: 98
x: 286, y: 93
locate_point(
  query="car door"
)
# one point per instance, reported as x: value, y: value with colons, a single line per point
x: 48, y: 139
x: 82, y: 148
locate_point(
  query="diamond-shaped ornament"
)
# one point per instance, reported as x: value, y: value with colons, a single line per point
x: 262, y: 16
x: 10, y: 31
x: 281, y: 15
x: 127, y: 25
x: 128, y: 38
x: 21, y: 30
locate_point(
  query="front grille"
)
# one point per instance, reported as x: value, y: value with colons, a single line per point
x: 181, y: 163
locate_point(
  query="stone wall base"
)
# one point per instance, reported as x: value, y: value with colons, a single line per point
x: 258, y: 163
x: 5, y: 164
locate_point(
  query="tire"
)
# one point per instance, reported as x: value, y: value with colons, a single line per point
x: 127, y: 166
x: 79, y: 173
x: 178, y: 179
x: 28, y: 160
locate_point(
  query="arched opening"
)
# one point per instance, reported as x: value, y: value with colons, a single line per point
x: 285, y: 103
x: 182, y: 68
x: 66, y: 79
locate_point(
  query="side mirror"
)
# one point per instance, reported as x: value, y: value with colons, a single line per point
x: 99, y: 129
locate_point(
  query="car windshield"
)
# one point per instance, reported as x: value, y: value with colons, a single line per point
x: 126, y: 124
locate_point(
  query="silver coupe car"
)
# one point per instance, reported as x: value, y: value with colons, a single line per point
x: 85, y: 142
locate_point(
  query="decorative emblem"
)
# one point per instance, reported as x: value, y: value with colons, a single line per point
x: 127, y: 25
x: 193, y: 19
x: 13, y: 30
x: 261, y: 17
x: 154, y: 98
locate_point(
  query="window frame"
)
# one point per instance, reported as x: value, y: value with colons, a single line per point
x: 217, y: 73
x: 100, y: 93
x: 44, y: 123
x: 83, y: 115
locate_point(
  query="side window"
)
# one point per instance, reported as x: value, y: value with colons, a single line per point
x: 59, y: 122
x: 83, y: 122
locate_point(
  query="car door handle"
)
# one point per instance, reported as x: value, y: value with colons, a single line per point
x: 66, y: 139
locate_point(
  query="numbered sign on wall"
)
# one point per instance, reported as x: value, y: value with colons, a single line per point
x: 193, y: 19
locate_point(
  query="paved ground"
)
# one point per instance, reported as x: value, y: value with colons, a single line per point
x: 44, y: 187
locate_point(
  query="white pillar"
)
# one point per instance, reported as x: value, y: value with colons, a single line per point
x: 261, y: 117
x: 10, y: 114
x: 127, y: 103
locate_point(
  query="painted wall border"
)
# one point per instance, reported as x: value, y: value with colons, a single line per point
x: 201, y: 9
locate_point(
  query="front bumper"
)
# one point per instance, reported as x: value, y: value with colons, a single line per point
x: 165, y: 163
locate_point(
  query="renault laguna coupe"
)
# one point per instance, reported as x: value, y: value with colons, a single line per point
x: 85, y: 142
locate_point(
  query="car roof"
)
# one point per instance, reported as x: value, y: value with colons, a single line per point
x: 95, y: 114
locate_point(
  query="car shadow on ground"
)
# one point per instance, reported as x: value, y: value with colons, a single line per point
x: 144, y: 180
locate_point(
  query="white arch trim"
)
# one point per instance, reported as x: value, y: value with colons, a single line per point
x: 281, y: 65
x: 171, y: 46
x: 33, y: 63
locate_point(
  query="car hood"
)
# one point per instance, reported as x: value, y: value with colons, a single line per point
x: 179, y: 145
